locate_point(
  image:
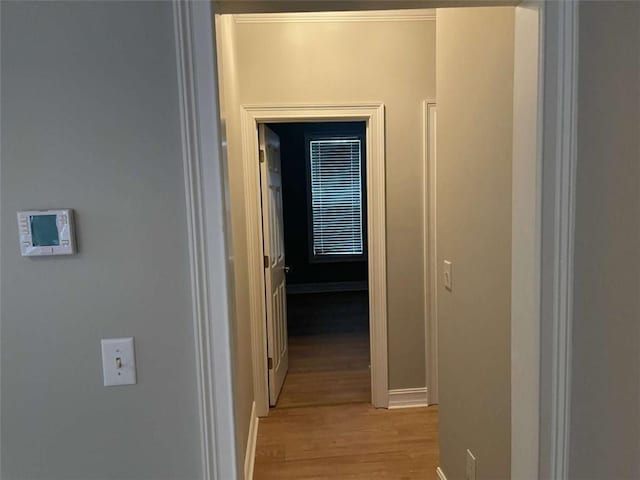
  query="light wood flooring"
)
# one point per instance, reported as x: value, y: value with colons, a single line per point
x: 324, y: 426
x: 352, y: 441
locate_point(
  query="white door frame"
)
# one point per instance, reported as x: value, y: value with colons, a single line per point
x: 430, y: 253
x: 559, y: 115
x: 373, y: 115
x: 525, y: 239
x: 209, y: 225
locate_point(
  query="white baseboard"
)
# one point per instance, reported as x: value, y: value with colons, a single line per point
x: 327, y: 287
x: 408, y: 398
x: 441, y: 474
x: 250, y: 454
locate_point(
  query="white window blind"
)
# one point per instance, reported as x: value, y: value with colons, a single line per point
x: 336, y: 196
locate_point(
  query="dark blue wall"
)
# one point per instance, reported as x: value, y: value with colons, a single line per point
x: 295, y: 196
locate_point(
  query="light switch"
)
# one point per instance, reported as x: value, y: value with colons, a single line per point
x: 118, y: 361
x: 447, y: 273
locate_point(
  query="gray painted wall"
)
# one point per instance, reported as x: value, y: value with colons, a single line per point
x: 90, y: 122
x: 605, y: 423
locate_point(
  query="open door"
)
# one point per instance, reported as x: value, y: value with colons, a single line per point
x: 274, y: 264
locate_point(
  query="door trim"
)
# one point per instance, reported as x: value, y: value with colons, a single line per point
x: 208, y: 226
x: 559, y: 162
x: 430, y: 252
x: 526, y: 239
x: 373, y: 115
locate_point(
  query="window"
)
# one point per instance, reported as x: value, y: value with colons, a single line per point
x: 336, y: 197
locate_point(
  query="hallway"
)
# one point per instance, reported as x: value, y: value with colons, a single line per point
x: 324, y: 426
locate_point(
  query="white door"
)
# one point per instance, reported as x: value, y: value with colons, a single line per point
x: 274, y: 271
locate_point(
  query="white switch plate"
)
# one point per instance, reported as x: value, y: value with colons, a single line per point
x: 448, y: 275
x: 471, y: 466
x: 118, y: 361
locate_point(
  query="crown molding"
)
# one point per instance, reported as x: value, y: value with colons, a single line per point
x: 339, y: 17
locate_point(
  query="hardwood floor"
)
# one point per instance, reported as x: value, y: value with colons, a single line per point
x: 354, y: 442
x: 327, y: 370
x: 324, y: 426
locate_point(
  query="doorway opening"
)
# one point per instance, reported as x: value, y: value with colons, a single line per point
x: 557, y: 22
x: 315, y: 176
x: 370, y: 118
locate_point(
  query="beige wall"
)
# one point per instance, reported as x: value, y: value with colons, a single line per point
x: 391, y: 62
x: 241, y: 327
x: 605, y: 409
x: 474, y: 141
x: 332, y: 62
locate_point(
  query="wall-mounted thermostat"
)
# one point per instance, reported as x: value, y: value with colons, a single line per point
x: 46, y: 232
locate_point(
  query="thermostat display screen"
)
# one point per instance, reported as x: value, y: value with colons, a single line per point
x: 44, y: 231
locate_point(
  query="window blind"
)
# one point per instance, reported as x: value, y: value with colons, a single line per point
x: 336, y: 196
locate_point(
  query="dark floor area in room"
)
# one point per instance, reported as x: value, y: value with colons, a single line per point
x: 328, y: 350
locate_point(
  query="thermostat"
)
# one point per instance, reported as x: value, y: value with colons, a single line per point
x: 46, y: 232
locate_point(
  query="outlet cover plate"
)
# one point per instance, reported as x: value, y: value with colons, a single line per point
x: 471, y: 466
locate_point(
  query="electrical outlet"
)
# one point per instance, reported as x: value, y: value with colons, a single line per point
x: 471, y: 466
x: 447, y: 272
